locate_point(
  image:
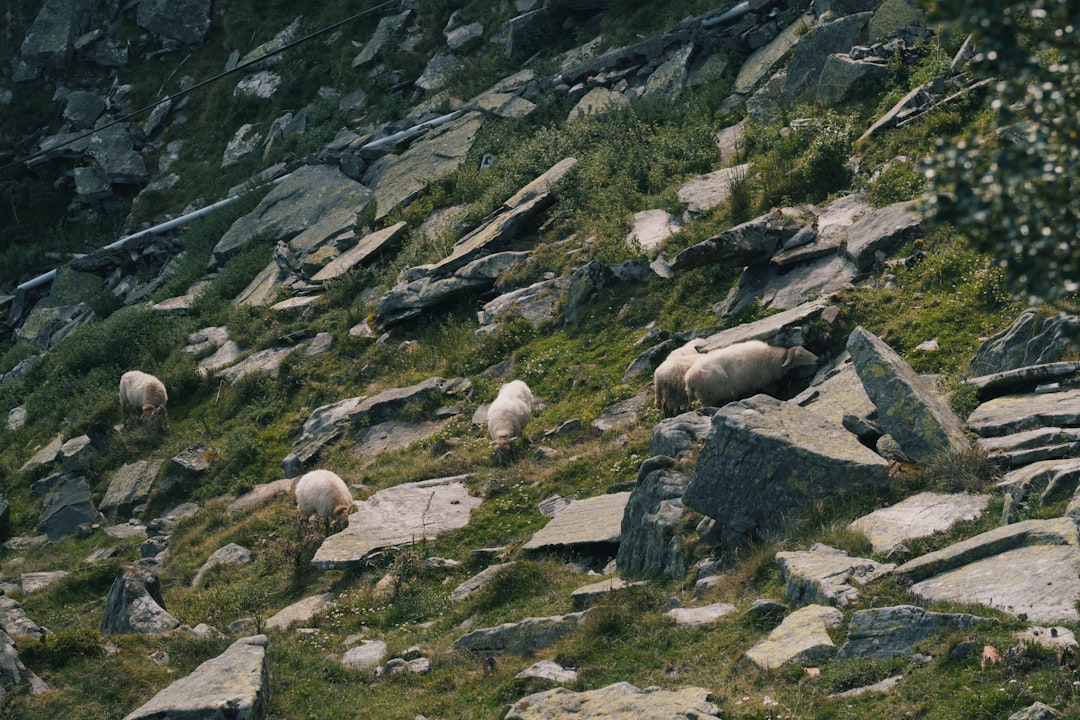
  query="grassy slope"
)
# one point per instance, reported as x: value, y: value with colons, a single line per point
x: 629, y: 161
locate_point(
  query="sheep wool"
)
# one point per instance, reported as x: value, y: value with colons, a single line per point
x: 668, y: 385
x: 741, y: 370
x: 509, y: 413
x: 324, y: 493
x: 143, y: 391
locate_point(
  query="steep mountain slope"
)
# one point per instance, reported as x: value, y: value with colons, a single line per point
x: 334, y: 256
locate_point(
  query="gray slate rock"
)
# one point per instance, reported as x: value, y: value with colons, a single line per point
x: 51, y: 38
x: 113, y: 150
x: 1035, y: 711
x: 400, y: 515
x: 1022, y: 379
x: 882, y: 633
x: 548, y: 670
x: 76, y: 453
x: 83, y: 108
x: 134, y: 603
x: 801, y: 638
x: 883, y: 230
x: 231, y: 554
x: 393, y: 435
x: 843, y: 76
x: 1016, y: 413
x: 621, y: 701
x: 388, y: 27
x: 753, y: 241
x: 397, y: 179
x: 368, y: 247
x: 825, y: 575
x: 130, y: 487
x: 1028, y: 341
x: 649, y: 542
x: 813, y: 50
x: 1035, y: 566
x: 917, y: 516
x: 521, y: 638
x: 232, y: 686
x: 589, y: 595
x: 297, y: 203
x: 478, y: 582
x: 698, y: 616
x: 47, y: 455
x: 765, y: 459
x: 301, y: 611
x: 679, y: 436
x: 908, y: 409
x: 593, y: 521
x: 68, y: 507
x: 187, y: 21
x: 365, y: 657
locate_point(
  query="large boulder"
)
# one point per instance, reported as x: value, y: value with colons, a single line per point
x: 882, y: 633
x: 51, y: 39
x: 1029, y: 340
x: 908, y: 409
x: 522, y: 638
x: 134, y: 603
x: 650, y: 519
x: 68, y: 508
x: 297, y: 203
x: 765, y: 460
x: 235, y: 685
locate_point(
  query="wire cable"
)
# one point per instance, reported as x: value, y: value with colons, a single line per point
x: 196, y: 86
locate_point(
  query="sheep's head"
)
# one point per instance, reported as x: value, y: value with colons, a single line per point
x: 798, y: 356
x: 341, y: 514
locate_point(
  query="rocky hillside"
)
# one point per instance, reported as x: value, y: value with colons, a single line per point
x: 335, y: 233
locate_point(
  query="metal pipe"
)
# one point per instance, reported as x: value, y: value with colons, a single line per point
x: 409, y: 132
x: 155, y: 230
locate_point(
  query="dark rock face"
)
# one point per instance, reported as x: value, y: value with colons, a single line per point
x: 50, y: 42
x: 185, y: 20
x: 134, y: 603
x: 1027, y: 342
x: 650, y: 519
x: 765, y: 460
x: 69, y: 507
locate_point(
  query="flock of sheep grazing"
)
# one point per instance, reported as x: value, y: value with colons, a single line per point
x: 686, y: 376
x: 721, y: 376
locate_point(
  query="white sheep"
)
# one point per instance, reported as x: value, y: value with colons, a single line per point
x: 509, y: 413
x: 323, y: 493
x: 669, y: 387
x: 741, y: 370
x: 144, y: 391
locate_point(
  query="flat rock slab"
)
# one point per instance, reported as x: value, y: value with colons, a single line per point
x: 233, y: 686
x: 522, y: 638
x: 299, y: 612
x: 838, y: 395
x: 393, y: 435
x: 595, y: 520
x: 548, y: 670
x: 768, y: 327
x: 650, y: 228
x: 478, y: 582
x: 621, y: 701
x: 365, y: 657
x: 32, y: 582
x: 801, y: 638
x: 705, y: 615
x: 883, y: 633
x: 1014, y: 413
x: 591, y: 594
x: 1039, y: 582
x: 396, y: 516
x: 918, y: 516
x: 824, y: 574
x: 623, y: 413
x: 368, y: 247
x: 1028, y: 568
x: 704, y: 192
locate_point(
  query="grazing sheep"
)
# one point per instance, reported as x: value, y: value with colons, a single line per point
x: 509, y: 413
x: 668, y: 385
x: 323, y: 493
x: 144, y: 391
x: 741, y: 370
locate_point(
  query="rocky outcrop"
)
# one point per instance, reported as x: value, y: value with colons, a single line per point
x: 522, y: 638
x: 652, y: 515
x: 401, y: 515
x: 621, y: 701
x: 917, y: 516
x: 765, y: 459
x: 1029, y: 340
x: 882, y: 633
x: 801, y: 638
x: 908, y: 409
x: 134, y: 603
x: 825, y: 575
x: 583, y: 524
x: 235, y: 685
